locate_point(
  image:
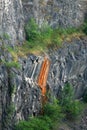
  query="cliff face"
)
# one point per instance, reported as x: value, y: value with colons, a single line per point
x: 11, y: 19
x: 15, y: 13
x: 55, y: 12
x: 20, y: 95
x: 69, y: 64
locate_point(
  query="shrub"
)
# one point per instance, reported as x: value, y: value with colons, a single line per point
x: 31, y: 30
x: 35, y: 123
x: 53, y: 110
x: 73, y: 110
x: 70, y: 106
x: 52, y: 115
x: 12, y: 64
x: 46, y: 31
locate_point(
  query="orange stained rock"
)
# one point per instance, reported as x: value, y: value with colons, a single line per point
x: 42, y: 79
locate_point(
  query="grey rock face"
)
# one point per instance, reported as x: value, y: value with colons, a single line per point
x: 69, y: 64
x: 11, y: 19
x: 20, y: 97
x: 55, y: 12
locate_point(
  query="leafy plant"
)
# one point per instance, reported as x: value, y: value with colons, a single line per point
x: 70, y: 106
x: 46, y: 31
x: 32, y: 31
x: 53, y: 110
x: 34, y: 124
x: 12, y: 64
x: 52, y: 115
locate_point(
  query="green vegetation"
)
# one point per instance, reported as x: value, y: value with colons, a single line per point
x: 12, y: 64
x: 51, y: 116
x: 39, y: 39
x: 32, y: 31
x: 5, y: 36
x: 34, y: 124
x: 14, y: 57
x: 54, y: 112
x: 71, y: 107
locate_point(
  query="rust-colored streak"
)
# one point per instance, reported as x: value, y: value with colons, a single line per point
x: 42, y: 79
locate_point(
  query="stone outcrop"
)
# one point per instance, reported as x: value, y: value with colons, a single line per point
x: 11, y: 20
x: 14, y: 14
x: 55, y: 12
x: 20, y: 94
x: 69, y: 63
x: 20, y: 97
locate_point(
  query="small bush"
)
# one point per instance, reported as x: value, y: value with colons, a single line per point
x: 36, y: 123
x: 46, y: 31
x: 12, y: 64
x: 53, y: 110
x: 73, y: 110
x: 52, y: 116
x: 70, y: 106
x: 31, y: 30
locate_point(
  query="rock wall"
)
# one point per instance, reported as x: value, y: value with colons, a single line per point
x: 55, y: 12
x: 69, y: 63
x: 20, y: 95
x: 11, y: 20
x: 15, y: 13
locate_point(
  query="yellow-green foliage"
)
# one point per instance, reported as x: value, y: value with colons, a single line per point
x: 12, y: 64
x: 39, y: 39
